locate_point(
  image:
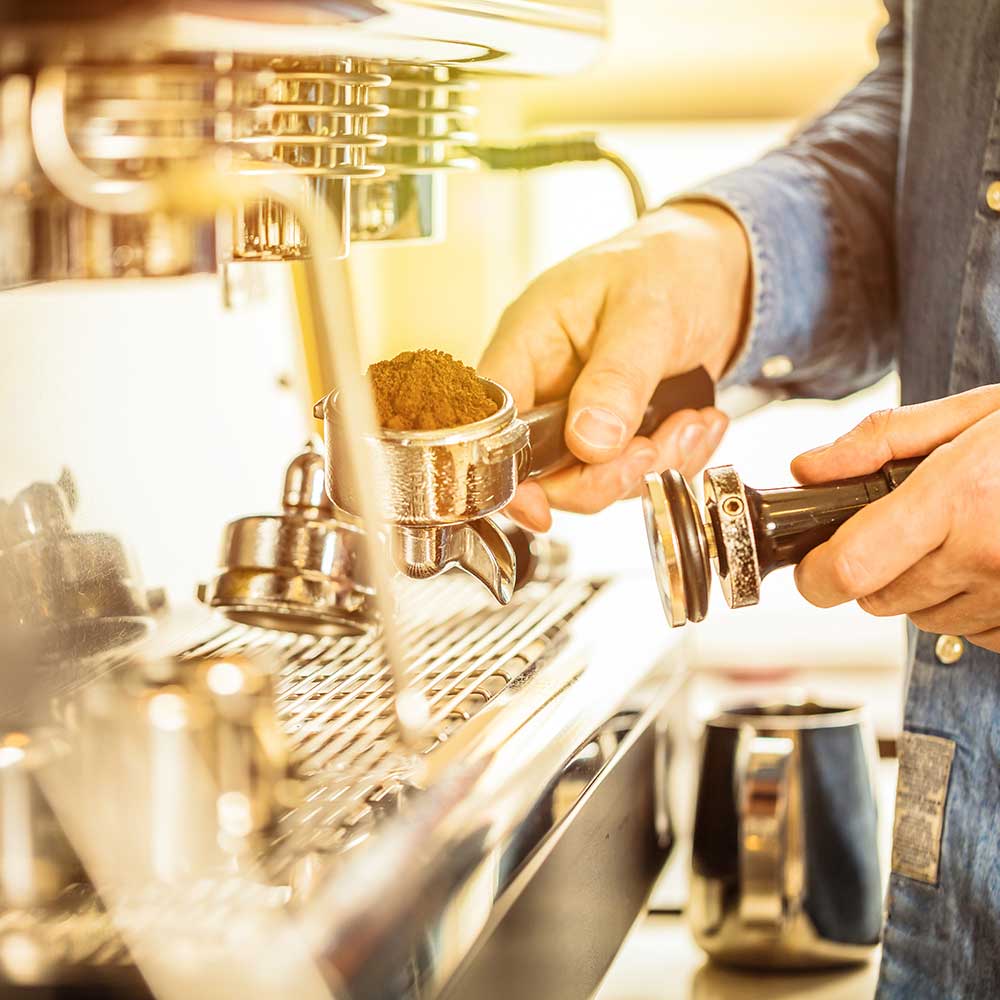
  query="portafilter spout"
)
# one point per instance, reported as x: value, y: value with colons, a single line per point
x: 441, y: 486
x: 744, y: 532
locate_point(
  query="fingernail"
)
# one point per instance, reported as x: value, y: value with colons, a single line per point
x: 599, y: 429
x: 691, y: 437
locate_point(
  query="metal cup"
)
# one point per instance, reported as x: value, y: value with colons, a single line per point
x: 785, y: 869
x: 437, y: 477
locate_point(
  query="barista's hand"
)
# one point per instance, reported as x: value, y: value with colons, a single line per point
x: 605, y: 327
x: 931, y: 548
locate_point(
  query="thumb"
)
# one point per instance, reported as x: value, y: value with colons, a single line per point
x: 905, y: 432
x: 610, y: 396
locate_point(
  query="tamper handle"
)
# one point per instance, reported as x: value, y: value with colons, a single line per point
x: 790, y: 523
x: 547, y: 424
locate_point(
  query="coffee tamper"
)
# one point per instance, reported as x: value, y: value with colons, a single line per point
x: 441, y: 487
x: 744, y: 532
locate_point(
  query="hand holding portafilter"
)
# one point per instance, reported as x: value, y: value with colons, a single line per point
x: 746, y: 533
x: 441, y: 486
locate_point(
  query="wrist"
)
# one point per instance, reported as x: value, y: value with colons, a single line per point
x: 732, y: 283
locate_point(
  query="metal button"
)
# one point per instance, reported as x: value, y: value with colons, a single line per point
x: 781, y: 365
x: 993, y: 196
x: 949, y: 649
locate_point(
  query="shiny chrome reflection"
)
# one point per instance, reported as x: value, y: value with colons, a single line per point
x: 785, y: 868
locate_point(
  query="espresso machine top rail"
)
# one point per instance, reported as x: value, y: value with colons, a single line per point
x: 547, y: 38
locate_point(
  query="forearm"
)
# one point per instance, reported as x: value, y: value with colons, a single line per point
x: 818, y: 215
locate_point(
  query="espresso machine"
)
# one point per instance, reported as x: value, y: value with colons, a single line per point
x: 289, y: 755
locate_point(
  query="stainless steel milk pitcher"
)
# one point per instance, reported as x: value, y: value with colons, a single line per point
x: 785, y: 869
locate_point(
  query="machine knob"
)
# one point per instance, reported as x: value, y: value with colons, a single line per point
x: 304, y: 492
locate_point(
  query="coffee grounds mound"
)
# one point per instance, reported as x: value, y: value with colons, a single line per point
x: 427, y: 390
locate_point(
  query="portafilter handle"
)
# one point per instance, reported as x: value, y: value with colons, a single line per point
x: 789, y: 523
x: 693, y: 390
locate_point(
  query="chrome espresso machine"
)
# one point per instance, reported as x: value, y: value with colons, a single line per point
x: 314, y: 764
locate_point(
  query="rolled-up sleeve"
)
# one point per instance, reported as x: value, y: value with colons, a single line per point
x: 819, y: 215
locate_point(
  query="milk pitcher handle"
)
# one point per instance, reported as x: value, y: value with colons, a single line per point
x: 763, y: 809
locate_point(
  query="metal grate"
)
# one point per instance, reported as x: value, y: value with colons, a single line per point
x: 335, y: 694
x: 335, y: 701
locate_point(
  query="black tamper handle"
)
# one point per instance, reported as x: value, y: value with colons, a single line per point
x: 547, y: 424
x: 789, y: 523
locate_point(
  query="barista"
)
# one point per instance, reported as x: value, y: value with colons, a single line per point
x: 871, y: 240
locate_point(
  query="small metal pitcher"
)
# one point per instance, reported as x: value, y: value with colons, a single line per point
x: 785, y: 869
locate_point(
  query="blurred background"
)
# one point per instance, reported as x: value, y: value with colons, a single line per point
x: 684, y: 90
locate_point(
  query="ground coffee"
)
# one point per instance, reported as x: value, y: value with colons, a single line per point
x: 427, y: 390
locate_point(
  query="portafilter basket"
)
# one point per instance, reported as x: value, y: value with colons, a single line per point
x: 745, y: 533
x: 441, y: 486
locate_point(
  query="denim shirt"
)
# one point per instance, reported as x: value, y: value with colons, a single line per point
x: 874, y: 243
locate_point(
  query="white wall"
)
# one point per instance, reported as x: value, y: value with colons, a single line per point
x: 167, y: 408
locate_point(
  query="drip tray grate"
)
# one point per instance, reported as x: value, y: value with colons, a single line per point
x: 335, y: 694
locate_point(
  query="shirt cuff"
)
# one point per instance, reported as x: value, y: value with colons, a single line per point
x: 781, y: 209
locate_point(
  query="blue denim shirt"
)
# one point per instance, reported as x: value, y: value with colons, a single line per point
x: 874, y: 244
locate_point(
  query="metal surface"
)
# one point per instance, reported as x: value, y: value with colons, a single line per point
x: 436, y: 477
x: 437, y: 485
x: 611, y: 830
x: 476, y: 826
x: 303, y: 570
x: 785, y: 861
x: 729, y: 514
x: 65, y: 593
x: 663, y: 550
x: 551, y: 37
x: 87, y: 128
x: 127, y: 123
x: 535, y: 749
x: 37, y: 863
x: 311, y: 116
x: 428, y: 127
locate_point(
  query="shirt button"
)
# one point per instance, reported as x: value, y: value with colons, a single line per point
x: 993, y: 196
x: 949, y: 649
x: 781, y: 365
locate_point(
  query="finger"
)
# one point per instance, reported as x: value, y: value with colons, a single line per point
x: 530, y: 507
x: 678, y: 448
x: 928, y: 583
x: 904, y: 432
x: 877, y: 544
x: 530, y: 354
x: 612, y: 391
x: 961, y: 615
x: 694, y: 452
x: 989, y: 639
x: 587, y: 489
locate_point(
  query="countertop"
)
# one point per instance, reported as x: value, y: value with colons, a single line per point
x: 660, y: 961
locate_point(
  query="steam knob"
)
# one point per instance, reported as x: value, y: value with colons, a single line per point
x: 304, y: 492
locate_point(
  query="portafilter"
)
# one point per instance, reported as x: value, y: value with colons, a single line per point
x: 745, y: 533
x: 303, y: 570
x: 441, y: 485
